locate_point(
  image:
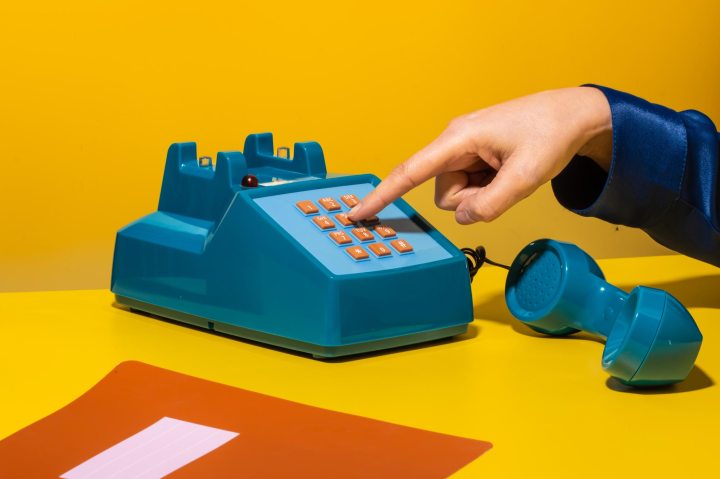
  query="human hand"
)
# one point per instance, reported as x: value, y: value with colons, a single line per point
x: 487, y: 161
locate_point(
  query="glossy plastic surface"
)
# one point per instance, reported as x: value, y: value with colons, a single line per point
x: 556, y: 288
x: 212, y: 256
x: 282, y: 209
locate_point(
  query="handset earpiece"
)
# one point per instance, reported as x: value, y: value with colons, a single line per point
x: 556, y: 288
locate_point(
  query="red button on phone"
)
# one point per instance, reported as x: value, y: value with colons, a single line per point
x: 307, y: 207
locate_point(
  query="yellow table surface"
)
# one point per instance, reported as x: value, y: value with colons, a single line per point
x: 544, y: 403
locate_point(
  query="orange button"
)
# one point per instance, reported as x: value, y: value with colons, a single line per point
x: 385, y: 231
x: 363, y: 234
x: 379, y: 250
x: 329, y: 204
x: 323, y: 222
x: 373, y: 220
x: 401, y: 246
x: 307, y: 207
x: 357, y: 253
x: 340, y: 237
x: 350, y: 200
x: 344, y: 220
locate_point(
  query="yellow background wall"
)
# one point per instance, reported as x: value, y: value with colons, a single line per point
x: 93, y: 92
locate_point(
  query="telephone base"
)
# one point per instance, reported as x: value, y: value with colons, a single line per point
x: 317, y: 351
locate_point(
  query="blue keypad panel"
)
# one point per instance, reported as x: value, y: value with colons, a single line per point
x: 390, y: 241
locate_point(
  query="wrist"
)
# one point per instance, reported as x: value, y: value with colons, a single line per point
x: 596, y: 125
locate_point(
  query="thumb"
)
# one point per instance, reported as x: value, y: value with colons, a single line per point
x: 505, y: 190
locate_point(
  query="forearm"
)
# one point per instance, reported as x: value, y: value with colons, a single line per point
x: 662, y: 176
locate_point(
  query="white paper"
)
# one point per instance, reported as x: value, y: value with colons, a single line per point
x: 154, y: 452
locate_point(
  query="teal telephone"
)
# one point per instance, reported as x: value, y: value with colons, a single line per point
x: 258, y: 246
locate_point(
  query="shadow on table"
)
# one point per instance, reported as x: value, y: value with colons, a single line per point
x: 495, y: 310
x: 696, y: 380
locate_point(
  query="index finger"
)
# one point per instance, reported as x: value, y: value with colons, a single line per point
x: 423, y: 165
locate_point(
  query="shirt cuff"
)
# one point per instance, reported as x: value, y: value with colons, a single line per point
x: 646, y: 172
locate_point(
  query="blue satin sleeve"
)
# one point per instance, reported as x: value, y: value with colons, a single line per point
x: 663, y: 177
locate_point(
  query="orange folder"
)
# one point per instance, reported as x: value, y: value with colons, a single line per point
x: 277, y: 438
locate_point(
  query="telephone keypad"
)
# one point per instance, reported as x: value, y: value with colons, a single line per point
x: 361, y: 233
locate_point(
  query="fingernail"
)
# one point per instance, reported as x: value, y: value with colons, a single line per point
x: 354, y: 210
